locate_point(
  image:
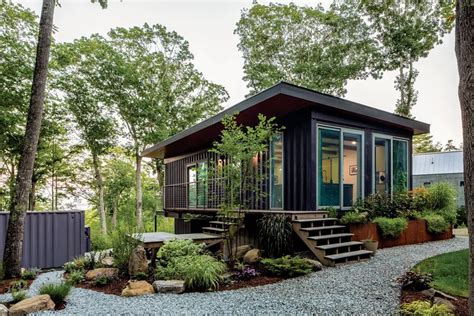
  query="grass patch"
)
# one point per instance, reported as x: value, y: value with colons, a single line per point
x: 450, y: 272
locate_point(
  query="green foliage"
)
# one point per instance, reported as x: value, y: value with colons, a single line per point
x: 436, y: 223
x: 274, y: 234
x: 391, y: 227
x: 424, y: 308
x: 424, y: 144
x: 57, y: 291
x: 102, y: 280
x: 140, y: 276
x: 76, y: 277
x: 442, y: 195
x: 198, y: 271
x: 415, y: 280
x: 100, y: 242
x: 288, y: 266
x: 461, y: 217
x: 70, y: 267
x: 18, y: 296
x: 332, y: 211
x: 29, y: 274
x: 123, y: 245
x: 450, y: 272
x: 179, y: 248
x: 354, y: 217
x: 18, y: 285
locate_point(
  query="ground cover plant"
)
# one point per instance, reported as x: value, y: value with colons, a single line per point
x: 421, y: 308
x: 288, y: 266
x: 391, y: 227
x: 354, y: 217
x: 58, y: 292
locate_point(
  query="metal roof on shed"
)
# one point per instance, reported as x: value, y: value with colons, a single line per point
x: 438, y: 163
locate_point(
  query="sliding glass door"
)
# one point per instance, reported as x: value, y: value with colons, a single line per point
x: 340, y: 166
x: 197, y: 184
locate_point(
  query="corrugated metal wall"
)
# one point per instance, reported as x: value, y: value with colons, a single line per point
x: 51, y: 238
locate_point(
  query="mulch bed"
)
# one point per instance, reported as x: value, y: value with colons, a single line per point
x: 411, y: 295
x: 115, y: 287
x: 256, y: 281
x: 5, y: 284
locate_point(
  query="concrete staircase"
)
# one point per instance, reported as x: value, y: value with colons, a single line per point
x: 329, y: 241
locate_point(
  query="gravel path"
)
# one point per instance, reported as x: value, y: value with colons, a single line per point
x: 361, y: 288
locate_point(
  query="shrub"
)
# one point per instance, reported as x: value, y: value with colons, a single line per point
x: 83, y: 263
x: 442, y: 195
x: 461, y: 218
x: 57, y: 292
x: 140, y: 276
x: 100, y: 242
x: 247, y: 274
x: 18, y: 285
x: 424, y: 308
x: 391, y: 227
x: 378, y: 205
x: 198, y: 271
x: 70, y: 267
x: 18, y: 296
x: 179, y: 248
x: 415, y: 280
x: 274, y: 234
x: 76, y: 277
x: 29, y: 274
x: 332, y: 211
x: 123, y: 245
x: 102, y: 280
x: 436, y: 223
x: 420, y: 198
x: 288, y: 266
x: 354, y: 217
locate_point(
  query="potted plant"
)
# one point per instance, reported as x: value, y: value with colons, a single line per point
x: 370, y: 244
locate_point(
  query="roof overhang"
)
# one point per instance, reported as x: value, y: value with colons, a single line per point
x: 274, y: 102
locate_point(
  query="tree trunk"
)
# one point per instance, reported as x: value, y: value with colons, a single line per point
x: 14, y: 240
x: 114, y: 214
x: 100, y: 189
x: 32, y: 198
x: 139, y: 193
x: 465, y: 58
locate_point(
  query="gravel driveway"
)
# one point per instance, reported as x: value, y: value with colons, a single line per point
x: 360, y: 288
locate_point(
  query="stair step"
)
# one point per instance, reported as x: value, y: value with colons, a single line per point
x: 221, y: 230
x: 310, y: 220
x: 221, y: 223
x: 322, y: 237
x: 309, y: 229
x: 342, y: 244
x: 348, y: 254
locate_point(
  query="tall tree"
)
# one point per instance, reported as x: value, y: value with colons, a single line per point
x: 465, y: 57
x: 450, y: 146
x: 149, y: 78
x: 316, y: 48
x: 424, y: 144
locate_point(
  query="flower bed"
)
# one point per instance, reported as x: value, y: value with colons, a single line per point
x: 417, y: 232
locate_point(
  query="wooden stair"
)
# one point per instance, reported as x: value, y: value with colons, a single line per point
x: 220, y: 226
x: 329, y: 241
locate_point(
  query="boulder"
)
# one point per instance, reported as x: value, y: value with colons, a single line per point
x: 138, y: 263
x: 107, y: 261
x: 252, y: 256
x: 110, y: 272
x: 32, y: 305
x: 430, y: 293
x: 315, y: 263
x: 137, y: 288
x: 443, y: 301
x: 242, y: 250
x: 3, y: 310
x: 169, y: 286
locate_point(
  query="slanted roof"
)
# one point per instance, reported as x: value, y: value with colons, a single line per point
x: 277, y: 101
x: 438, y: 163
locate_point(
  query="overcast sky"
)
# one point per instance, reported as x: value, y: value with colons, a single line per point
x: 209, y: 26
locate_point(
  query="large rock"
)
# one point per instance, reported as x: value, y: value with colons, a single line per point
x: 109, y: 272
x: 169, y: 286
x: 315, y: 263
x: 242, y: 250
x: 252, y: 256
x: 443, y: 301
x: 136, y: 288
x: 107, y: 261
x: 32, y: 305
x: 3, y: 310
x: 138, y: 263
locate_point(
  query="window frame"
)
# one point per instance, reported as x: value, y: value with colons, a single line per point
x: 282, y: 135
x: 206, y: 197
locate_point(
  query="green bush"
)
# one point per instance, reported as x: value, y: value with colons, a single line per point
x: 29, y: 274
x: 197, y: 271
x: 101, y: 242
x: 102, y: 280
x: 76, y: 277
x: 436, y: 223
x: 179, y: 248
x: 354, y: 217
x: 424, y: 308
x: 288, y: 266
x: 461, y: 217
x: 332, y: 211
x: 58, y: 292
x: 140, y: 276
x: 377, y: 205
x: 122, y: 247
x: 18, y: 285
x: 18, y: 296
x: 441, y: 196
x: 391, y: 227
x: 274, y: 234
x: 70, y: 267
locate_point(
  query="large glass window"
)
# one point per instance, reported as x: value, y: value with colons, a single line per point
x: 276, y: 172
x: 352, y: 188
x: 382, y: 165
x: 400, y: 165
x: 329, y: 167
x: 197, y: 185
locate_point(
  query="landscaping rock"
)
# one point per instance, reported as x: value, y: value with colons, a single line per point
x: 3, y: 310
x: 443, y: 301
x: 32, y: 305
x: 169, y: 286
x: 242, y: 250
x: 252, y: 256
x: 109, y: 272
x: 316, y: 264
x: 137, y: 288
x: 138, y: 262
x: 107, y: 262
x: 430, y: 293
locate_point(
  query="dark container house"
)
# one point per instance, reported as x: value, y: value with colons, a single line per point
x: 331, y: 152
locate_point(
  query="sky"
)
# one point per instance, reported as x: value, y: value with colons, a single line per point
x: 209, y: 26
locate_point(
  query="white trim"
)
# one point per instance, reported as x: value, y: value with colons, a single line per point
x: 282, y: 136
